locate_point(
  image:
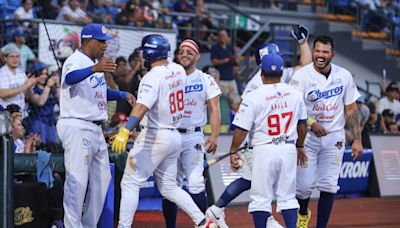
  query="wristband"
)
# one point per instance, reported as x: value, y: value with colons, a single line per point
x: 299, y: 146
x: 310, y: 121
x: 132, y: 121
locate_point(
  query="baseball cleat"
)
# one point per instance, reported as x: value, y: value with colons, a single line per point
x: 303, y: 220
x: 272, y: 223
x: 216, y: 215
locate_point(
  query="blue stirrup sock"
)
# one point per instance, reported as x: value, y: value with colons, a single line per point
x: 325, y: 204
x: 232, y: 191
x: 201, y: 200
x: 290, y: 217
x: 170, y: 210
x: 260, y: 218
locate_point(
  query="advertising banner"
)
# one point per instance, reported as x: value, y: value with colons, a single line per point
x: 66, y: 38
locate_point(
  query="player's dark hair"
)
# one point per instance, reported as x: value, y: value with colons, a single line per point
x: 325, y: 40
x: 120, y: 59
x: 276, y: 74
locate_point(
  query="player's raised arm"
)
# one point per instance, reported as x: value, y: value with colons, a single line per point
x: 300, y: 33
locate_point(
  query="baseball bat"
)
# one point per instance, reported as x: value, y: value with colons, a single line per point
x: 208, y: 163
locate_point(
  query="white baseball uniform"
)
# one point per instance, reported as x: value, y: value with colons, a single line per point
x: 158, y: 145
x: 325, y: 99
x: 86, y: 155
x: 200, y: 88
x: 270, y: 114
x: 253, y: 84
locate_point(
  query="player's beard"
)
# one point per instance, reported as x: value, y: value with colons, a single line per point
x: 187, y: 64
x: 322, y: 65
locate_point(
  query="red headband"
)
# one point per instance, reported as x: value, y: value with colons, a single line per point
x: 190, y: 44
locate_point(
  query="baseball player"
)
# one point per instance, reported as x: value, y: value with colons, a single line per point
x: 330, y: 95
x: 83, y: 100
x: 201, y: 91
x: 216, y: 211
x: 275, y: 117
x: 161, y: 99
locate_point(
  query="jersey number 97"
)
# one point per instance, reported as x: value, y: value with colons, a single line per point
x: 176, y: 101
x: 274, y: 123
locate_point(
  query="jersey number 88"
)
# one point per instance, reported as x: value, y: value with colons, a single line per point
x: 176, y: 101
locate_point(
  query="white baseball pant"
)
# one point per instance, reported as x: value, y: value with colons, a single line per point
x: 274, y: 173
x: 87, y: 172
x: 191, y: 162
x: 155, y: 151
x: 325, y: 156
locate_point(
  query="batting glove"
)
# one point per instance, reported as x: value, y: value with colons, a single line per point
x: 120, y: 140
x: 300, y: 33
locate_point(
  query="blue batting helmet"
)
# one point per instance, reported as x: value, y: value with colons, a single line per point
x: 155, y: 47
x: 265, y: 49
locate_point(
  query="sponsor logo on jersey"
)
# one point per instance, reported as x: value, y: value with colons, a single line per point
x: 294, y: 82
x: 101, y: 106
x: 193, y: 88
x: 177, y: 118
x: 324, y: 118
x: 278, y: 95
x: 175, y: 84
x: 280, y: 139
x: 358, y: 169
x: 96, y: 81
x: 191, y: 102
x: 150, y: 45
x: 169, y: 76
x: 339, y: 145
x: 324, y: 107
x: 99, y: 95
x: 315, y: 95
x: 197, y: 80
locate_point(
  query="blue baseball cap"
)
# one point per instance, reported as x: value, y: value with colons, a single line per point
x: 19, y: 32
x: 95, y: 31
x: 38, y: 66
x: 272, y: 63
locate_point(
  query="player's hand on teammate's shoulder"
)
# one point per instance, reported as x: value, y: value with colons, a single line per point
x: 301, y: 157
x: 105, y: 65
x: 318, y: 129
x: 211, y: 144
x: 130, y: 99
x: 356, y: 149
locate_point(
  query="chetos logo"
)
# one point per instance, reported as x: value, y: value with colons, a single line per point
x: 317, y: 94
x: 193, y: 88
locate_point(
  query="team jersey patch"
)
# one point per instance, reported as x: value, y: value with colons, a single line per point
x: 317, y: 94
x: 193, y: 88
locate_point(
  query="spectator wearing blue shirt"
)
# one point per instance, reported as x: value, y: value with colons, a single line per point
x: 42, y: 99
x: 224, y: 58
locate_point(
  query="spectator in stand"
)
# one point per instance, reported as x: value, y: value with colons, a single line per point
x: 224, y: 58
x: 25, y: 52
x: 13, y: 81
x: 126, y: 79
x: 184, y: 6
x: 391, y: 100
x: 144, y: 15
x: 42, y: 99
x: 73, y: 13
x: 386, y: 119
x: 104, y: 12
x: 126, y: 16
x: 25, y: 12
x: 50, y: 8
x: 17, y: 133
